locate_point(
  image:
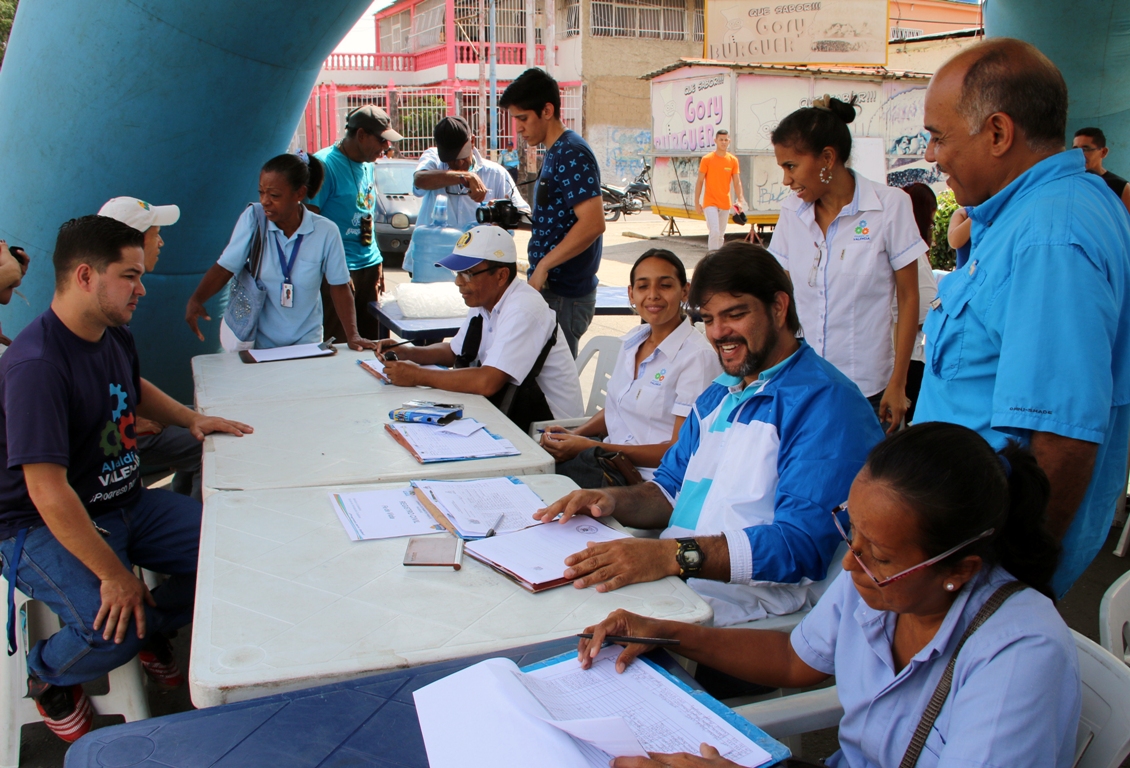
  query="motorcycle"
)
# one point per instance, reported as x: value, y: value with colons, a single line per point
x: 629, y: 199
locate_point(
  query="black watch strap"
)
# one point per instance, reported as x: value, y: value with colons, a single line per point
x: 690, y: 558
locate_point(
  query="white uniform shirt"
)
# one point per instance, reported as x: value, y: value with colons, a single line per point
x: 640, y: 408
x: 844, y: 283
x: 514, y: 333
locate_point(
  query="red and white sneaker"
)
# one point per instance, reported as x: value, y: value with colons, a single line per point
x: 159, y: 663
x: 66, y: 709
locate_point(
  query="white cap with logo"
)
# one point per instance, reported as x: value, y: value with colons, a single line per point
x: 483, y: 243
x: 139, y: 214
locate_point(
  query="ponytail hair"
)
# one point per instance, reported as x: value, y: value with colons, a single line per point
x: 959, y: 488
x: 299, y: 170
x: 824, y: 124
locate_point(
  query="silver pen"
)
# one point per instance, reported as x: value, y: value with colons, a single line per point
x: 497, y: 523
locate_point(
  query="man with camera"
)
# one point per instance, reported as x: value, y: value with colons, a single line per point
x: 453, y: 167
x: 568, y: 217
x: 347, y: 198
x: 508, y: 348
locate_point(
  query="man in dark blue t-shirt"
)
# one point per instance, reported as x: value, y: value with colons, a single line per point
x: 74, y: 518
x: 568, y: 212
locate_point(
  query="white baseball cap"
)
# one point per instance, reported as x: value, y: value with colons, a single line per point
x: 139, y: 214
x: 483, y: 243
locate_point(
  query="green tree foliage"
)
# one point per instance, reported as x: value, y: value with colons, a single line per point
x: 941, y: 255
x: 7, y: 13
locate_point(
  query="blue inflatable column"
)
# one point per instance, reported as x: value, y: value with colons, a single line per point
x: 1090, y: 43
x: 165, y: 100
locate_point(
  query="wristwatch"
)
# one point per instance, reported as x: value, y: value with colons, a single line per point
x: 690, y: 558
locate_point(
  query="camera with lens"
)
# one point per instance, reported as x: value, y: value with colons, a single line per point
x: 502, y: 213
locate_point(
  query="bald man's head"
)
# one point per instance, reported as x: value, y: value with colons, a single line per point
x: 1011, y: 76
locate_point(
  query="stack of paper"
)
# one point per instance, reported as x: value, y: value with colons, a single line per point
x: 535, y: 557
x: 560, y: 716
x: 430, y: 442
x: 384, y: 514
x: 296, y: 352
x: 474, y: 507
x: 375, y: 367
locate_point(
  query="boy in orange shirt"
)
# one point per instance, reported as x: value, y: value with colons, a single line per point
x: 716, y: 172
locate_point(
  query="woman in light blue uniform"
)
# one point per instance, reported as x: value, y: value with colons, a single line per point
x: 939, y: 523
x: 301, y: 247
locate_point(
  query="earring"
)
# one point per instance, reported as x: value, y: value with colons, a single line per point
x: 826, y: 172
x: 950, y: 586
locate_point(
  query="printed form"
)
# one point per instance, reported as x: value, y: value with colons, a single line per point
x: 473, y: 506
x: 432, y: 443
x: 386, y: 514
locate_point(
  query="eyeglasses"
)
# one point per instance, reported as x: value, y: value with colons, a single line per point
x: 815, y: 272
x: 884, y: 582
x: 467, y: 274
x: 1090, y: 149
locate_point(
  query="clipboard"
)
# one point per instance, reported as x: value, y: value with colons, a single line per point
x: 404, y: 443
x: 246, y: 356
x: 434, y: 510
x: 399, y: 438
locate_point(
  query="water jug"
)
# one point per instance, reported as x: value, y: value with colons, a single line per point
x: 432, y: 243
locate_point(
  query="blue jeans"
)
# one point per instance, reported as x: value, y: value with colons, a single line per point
x: 574, y: 315
x: 161, y: 532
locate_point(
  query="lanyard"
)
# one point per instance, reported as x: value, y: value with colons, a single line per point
x: 283, y: 264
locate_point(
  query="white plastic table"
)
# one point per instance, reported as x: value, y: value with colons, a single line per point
x: 224, y: 378
x: 342, y: 441
x: 284, y: 600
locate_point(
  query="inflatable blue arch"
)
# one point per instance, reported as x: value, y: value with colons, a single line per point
x: 181, y: 102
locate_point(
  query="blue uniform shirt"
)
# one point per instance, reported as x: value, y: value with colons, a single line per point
x: 1025, y: 335
x: 347, y: 194
x: 1016, y: 695
x: 320, y: 254
x: 569, y: 176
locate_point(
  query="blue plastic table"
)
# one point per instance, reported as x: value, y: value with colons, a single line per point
x: 367, y: 722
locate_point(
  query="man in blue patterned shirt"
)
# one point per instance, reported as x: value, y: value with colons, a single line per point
x: 568, y: 217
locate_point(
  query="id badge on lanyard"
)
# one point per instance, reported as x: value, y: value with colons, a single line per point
x: 287, y: 297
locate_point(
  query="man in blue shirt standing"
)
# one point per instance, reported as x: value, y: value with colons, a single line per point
x: 568, y: 217
x: 1023, y: 340
x: 347, y: 198
x: 745, y: 495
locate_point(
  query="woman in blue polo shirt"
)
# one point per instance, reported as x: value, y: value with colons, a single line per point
x: 850, y: 245
x: 939, y: 523
x: 301, y: 248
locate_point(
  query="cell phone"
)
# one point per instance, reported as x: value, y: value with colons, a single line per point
x: 20, y: 254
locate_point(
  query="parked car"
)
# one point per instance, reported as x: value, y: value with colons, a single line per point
x: 396, y: 208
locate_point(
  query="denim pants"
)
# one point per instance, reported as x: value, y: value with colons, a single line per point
x: 574, y: 315
x: 177, y: 449
x: 161, y: 532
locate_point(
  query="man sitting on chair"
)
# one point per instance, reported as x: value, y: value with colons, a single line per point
x: 745, y: 494
x: 509, y: 347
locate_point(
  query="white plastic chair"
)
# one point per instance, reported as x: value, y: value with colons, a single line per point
x: 605, y: 348
x: 1102, y: 740
x: 35, y: 621
x: 1114, y: 618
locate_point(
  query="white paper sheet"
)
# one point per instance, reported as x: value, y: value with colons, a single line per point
x: 385, y: 514
x: 464, y: 427
x: 537, y: 555
x: 433, y: 444
x: 375, y: 366
x: 659, y: 714
x: 473, y: 506
x: 492, y: 714
x: 295, y: 352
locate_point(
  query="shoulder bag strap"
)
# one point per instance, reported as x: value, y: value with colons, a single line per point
x: 918, y: 741
x: 258, y: 240
x: 472, y: 339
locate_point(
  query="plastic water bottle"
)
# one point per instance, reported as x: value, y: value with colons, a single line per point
x: 432, y: 243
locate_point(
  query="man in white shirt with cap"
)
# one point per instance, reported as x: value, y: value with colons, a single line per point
x: 157, y: 444
x: 509, y: 347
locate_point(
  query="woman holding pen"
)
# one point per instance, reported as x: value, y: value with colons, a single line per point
x: 850, y: 245
x: 942, y: 530
x: 663, y: 366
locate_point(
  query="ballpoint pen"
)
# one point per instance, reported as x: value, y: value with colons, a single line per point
x: 624, y: 639
x: 497, y: 523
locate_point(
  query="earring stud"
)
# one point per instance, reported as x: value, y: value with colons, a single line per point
x: 950, y: 586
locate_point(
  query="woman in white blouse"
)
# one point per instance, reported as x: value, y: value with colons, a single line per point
x: 662, y: 368
x: 850, y: 245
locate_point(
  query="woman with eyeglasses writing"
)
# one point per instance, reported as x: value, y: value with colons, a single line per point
x: 850, y: 245
x: 941, y: 528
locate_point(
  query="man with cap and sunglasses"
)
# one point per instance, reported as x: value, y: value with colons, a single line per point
x: 159, y: 445
x: 509, y: 347
x: 347, y: 198
x: 453, y: 167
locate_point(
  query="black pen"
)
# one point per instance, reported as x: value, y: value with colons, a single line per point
x: 639, y: 640
x: 394, y: 346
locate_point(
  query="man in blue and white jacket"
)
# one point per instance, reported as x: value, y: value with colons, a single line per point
x: 746, y: 492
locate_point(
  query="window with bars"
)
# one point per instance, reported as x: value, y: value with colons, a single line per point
x: 427, y: 26
x: 509, y: 20
x: 572, y: 26
x: 655, y: 19
x: 699, y: 33
x: 395, y: 33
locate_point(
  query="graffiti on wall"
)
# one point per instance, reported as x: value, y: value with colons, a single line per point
x: 619, y: 151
